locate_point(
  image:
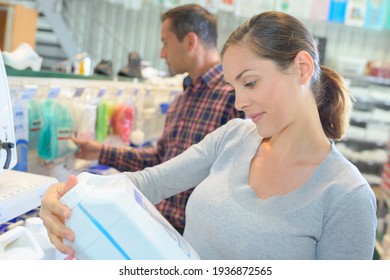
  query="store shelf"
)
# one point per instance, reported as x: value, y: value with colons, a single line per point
x: 369, y: 79
x: 11, y: 72
x: 21, y: 192
x: 363, y: 144
x: 376, y: 80
x: 52, y: 74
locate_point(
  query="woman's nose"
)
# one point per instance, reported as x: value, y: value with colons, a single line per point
x: 240, y: 101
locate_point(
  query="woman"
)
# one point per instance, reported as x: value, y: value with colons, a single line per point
x: 273, y: 186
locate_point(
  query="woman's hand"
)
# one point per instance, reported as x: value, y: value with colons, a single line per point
x: 54, y: 213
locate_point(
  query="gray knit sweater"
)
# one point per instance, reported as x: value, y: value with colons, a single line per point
x: 331, y: 216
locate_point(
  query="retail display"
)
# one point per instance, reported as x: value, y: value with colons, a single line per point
x: 103, y: 123
x: 19, y: 244
x: 83, y: 114
x: 23, y: 57
x: 55, y: 138
x: 366, y: 139
x: 113, y: 220
x: 104, y: 67
x: 20, y: 192
x: 365, y: 144
x: 122, y: 122
x: 35, y: 120
x: 133, y: 67
x: 28, y: 241
x: 337, y: 10
x: 81, y: 64
x: 20, y: 110
x: 8, y: 156
x: 355, y: 12
x: 39, y: 232
x: 376, y: 14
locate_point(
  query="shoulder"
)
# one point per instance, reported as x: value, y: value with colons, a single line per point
x: 236, y: 131
x: 238, y: 125
x: 346, y: 184
x: 348, y: 172
x: 244, y: 125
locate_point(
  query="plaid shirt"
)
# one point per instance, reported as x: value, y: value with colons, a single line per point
x: 200, y: 109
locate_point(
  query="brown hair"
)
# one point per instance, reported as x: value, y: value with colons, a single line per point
x: 193, y: 18
x: 280, y: 37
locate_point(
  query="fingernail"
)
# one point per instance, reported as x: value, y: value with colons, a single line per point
x: 65, y: 213
x: 69, y: 237
x: 70, y: 254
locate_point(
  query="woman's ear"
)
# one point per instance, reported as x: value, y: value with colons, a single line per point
x: 305, y: 65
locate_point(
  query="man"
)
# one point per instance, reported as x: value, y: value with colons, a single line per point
x: 189, y: 37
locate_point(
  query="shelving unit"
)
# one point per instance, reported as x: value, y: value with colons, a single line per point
x: 365, y: 144
x: 21, y: 192
x: 366, y: 141
x: 145, y: 95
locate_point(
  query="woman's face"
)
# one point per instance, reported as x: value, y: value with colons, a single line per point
x: 267, y: 95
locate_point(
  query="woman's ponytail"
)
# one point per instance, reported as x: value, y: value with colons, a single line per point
x: 334, y: 103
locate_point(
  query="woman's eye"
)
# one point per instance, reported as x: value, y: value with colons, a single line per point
x: 250, y: 84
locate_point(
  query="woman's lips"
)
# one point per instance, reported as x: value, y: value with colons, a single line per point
x: 255, y: 117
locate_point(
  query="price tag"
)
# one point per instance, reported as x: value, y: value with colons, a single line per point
x: 102, y: 92
x: 78, y: 92
x: 29, y: 93
x: 53, y: 92
x: 119, y: 92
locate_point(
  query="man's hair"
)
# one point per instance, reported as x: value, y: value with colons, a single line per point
x: 193, y: 18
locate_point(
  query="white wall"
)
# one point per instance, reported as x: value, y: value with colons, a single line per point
x: 109, y: 30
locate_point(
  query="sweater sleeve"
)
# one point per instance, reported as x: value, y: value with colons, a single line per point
x: 347, y: 235
x: 181, y: 172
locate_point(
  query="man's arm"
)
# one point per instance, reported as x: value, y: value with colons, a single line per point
x: 129, y: 159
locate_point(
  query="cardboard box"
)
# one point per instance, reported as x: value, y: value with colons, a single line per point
x: 18, y: 24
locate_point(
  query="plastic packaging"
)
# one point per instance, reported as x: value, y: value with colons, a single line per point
x: 104, y: 113
x: 83, y: 115
x: 39, y: 232
x: 55, y: 137
x: 20, y: 110
x: 19, y: 244
x: 112, y: 219
x: 122, y: 121
x: 35, y: 120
